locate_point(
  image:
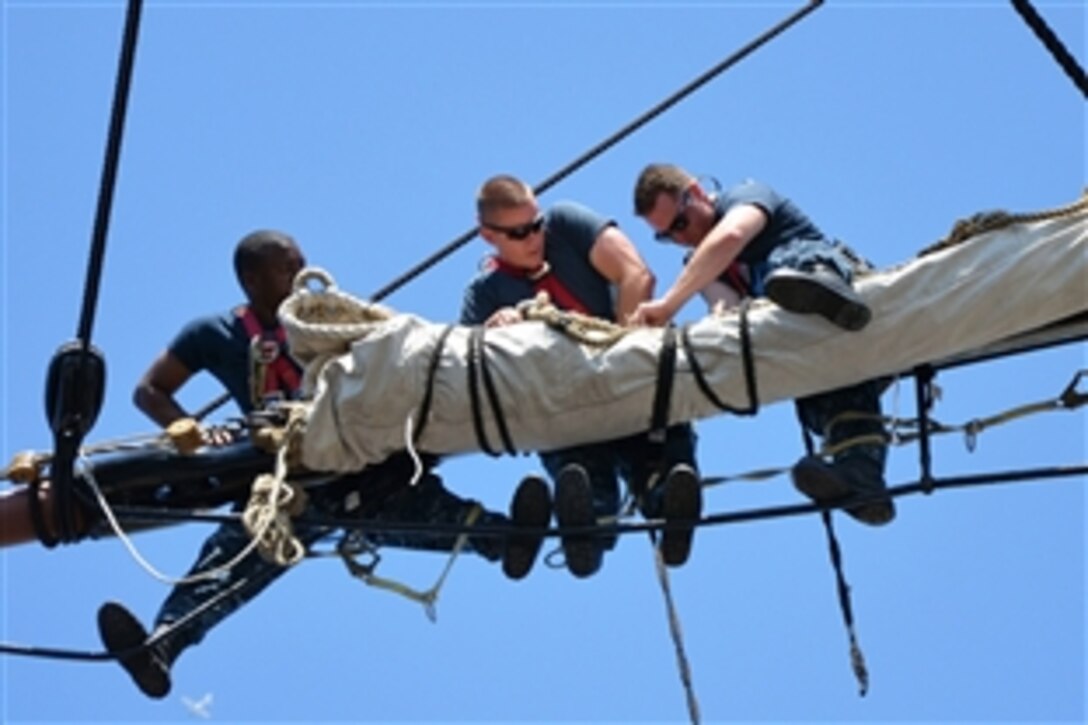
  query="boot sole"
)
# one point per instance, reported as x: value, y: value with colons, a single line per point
x: 574, y: 507
x: 531, y: 508
x: 683, y: 503
x: 804, y: 295
x: 121, y: 632
x: 819, y: 482
x: 874, y: 513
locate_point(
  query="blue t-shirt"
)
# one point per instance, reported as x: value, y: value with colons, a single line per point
x: 785, y: 222
x: 218, y: 344
x: 570, y: 231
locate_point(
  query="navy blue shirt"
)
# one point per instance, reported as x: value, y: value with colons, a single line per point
x: 218, y: 344
x: 570, y: 231
x: 785, y: 222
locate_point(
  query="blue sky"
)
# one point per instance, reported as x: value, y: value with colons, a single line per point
x: 364, y: 129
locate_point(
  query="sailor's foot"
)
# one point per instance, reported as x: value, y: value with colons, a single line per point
x: 682, y: 502
x: 573, y: 508
x: 849, y: 479
x: 124, y: 637
x: 819, y: 291
x: 530, y: 508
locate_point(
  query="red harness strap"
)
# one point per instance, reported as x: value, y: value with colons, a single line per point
x: 544, y: 281
x: 282, y: 374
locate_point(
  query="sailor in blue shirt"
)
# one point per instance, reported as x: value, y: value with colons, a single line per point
x: 750, y: 241
x: 587, y: 265
x: 266, y: 263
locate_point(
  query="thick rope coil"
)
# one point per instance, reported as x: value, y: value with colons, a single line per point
x: 267, y: 518
x: 991, y: 221
x: 321, y: 324
x: 585, y: 329
x: 272, y: 503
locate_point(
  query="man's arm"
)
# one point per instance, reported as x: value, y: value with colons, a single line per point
x: 617, y: 259
x: 154, y: 394
x: 722, y: 244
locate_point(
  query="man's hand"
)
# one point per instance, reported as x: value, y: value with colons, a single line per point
x: 502, y: 317
x: 655, y: 313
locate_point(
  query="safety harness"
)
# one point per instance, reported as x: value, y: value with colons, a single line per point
x: 273, y: 373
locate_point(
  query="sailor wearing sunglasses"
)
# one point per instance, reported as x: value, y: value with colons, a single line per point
x: 585, y: 264
x: 749, y: 241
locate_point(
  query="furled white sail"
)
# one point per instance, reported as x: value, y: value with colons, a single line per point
x: 368, y: 368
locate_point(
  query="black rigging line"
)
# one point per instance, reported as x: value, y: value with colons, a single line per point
x: 141, y: 514
x: 1053, y: 43
x: 109, y: 169
x: 76, y: 378
x: 603, y: 146
x: 148, y: 514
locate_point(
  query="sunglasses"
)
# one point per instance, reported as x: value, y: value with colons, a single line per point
x: 679, y: 222
x: 522, y: 231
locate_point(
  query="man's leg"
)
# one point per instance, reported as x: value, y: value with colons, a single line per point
x: 428, y: 501
x: 857, y: 470
x: 668, y: 488
x: 810, y: 276
x: 586, y: 490
x: 211, y: 600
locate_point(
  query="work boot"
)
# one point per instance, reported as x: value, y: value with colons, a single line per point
x: 574, y: 507
x: 819, y: 291
x: 682, y: 501
x: 848, y: 479
x: 125, y: 639
x: 530, y: 508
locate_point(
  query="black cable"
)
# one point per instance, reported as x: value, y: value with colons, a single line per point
x: 603, y: 146
x: 139, y: 513
x: 109, y: 170
x: 142, y: 514
x: 1053, y: 43
x: 75, y: 380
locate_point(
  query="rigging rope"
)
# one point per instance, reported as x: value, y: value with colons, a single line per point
x: 609, y: 142
x: 75, y: 381
x: 682, y: 663
x: 1054, y: 44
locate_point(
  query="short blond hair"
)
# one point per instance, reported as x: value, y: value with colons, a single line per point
x: 657, y: 179
x: 502, y: 192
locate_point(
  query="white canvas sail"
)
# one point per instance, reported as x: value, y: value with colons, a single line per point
x: 368, y: 368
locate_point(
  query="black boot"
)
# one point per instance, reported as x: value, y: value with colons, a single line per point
x: 530, y: 508
x: 574, y: 507
x: 680, y: 500
x: 124, y: 637
x: 818, y: 291
x: 855, y: 483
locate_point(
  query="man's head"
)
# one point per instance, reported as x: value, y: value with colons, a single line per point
x: 510, y: 221
x: 266, y: 263
x: 671, y: 201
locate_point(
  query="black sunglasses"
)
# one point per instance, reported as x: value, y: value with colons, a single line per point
x: 521, y: 231
x: 679, y: 222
